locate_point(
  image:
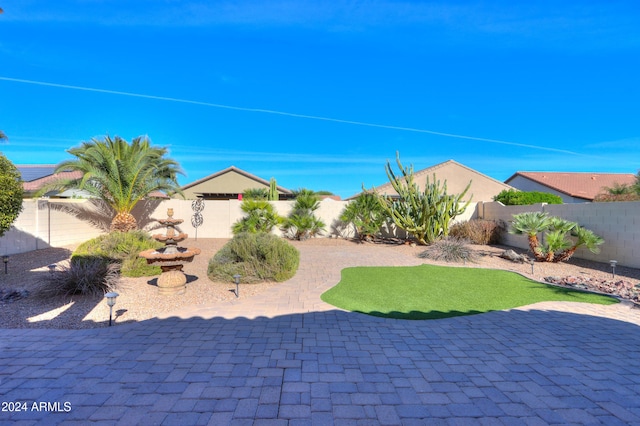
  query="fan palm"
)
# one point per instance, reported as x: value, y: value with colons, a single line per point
x: 531, y: 224
x: 121, y: 174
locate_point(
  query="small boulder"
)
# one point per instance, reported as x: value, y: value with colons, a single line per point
x: 514, y: 257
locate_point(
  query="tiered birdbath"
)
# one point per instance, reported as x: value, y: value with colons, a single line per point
x: 170, y: 258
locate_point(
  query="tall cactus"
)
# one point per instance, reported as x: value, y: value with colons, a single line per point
x: 424, y: 214
x: 273, y: 190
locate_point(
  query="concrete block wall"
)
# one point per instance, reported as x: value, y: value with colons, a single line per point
x: 618, y: 223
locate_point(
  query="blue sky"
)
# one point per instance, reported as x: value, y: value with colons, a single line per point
x: 320, y: 94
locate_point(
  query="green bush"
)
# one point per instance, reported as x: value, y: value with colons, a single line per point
x: 10, y: 194
x: 479, y: 231
x: 121, y: 248
x: 91, y: 277
x: 256, y: 257
x: 302, y: 223
x: 449, y: 249
x: 513, y: 197
x: 366, y: 214
x: 261, y: 216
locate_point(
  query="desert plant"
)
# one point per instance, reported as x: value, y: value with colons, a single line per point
x: 479, y: 231
x: 10, y: 194
x: 260, y: 217
x: 121, y: 248
x: 366, y: 214
x: 425, y: 214
x: 513, y: 197
x: 256, y: 257
x: 606, y: 197
x: 273, y: 194
x: 302, y: 223
x: 255, y: 194
x: 450, y: 249
x: 90, y: 277
x: 119, y: 173
x: 558, y: 247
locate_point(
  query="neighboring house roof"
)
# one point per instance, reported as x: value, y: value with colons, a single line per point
x: 36, y: 184
x: 228, y: 182
x: 578, y: 185
x: 31, y: 172
x: 457, y: 176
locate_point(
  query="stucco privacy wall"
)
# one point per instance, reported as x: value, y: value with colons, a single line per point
x: 618, y: 223
x: 56, y: 223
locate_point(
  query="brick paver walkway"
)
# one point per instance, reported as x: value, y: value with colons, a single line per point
x: 286, y: 358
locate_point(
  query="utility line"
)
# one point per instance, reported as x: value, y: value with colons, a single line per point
x: 286, y: 114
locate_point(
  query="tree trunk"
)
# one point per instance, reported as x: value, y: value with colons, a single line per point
x: 534, y: 246
x: 566, y: 254
x: 124, y: 222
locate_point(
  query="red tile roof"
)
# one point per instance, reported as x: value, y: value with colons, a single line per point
x: 36, y: 184
x: 580, y: 185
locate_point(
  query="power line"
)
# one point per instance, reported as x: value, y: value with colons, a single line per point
x: 286, y: 114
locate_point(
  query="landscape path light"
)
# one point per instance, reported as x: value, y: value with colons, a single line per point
x: 5, y: 259
x: 52, y: 268
x: 613, y: 264
x: 236, y: 278
x: 111, y: 300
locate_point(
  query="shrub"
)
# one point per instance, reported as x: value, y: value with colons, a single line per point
x: 91, y: 277
x: 261, y: 216
x: 256, y: 257
x: 513, y: 197
x: 449, y: 249
x: 479, y: 231
x: 557, y: 245
x: 10, y: 194
x: 601, y: 198
x: 366, y: 214
x: 121, y: 248
x: 302, y: 223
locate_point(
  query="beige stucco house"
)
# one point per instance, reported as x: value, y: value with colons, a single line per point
x: 228, y: 184
x: 457, y: 176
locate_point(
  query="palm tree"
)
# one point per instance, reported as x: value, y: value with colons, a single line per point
x: 121, y: 174
x: 3, y: 136
x: 531, y: 224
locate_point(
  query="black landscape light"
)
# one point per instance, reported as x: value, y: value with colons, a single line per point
x: 5, y: 259
x: 52, y: 268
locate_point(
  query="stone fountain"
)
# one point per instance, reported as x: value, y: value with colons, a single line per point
x: 170, y: 258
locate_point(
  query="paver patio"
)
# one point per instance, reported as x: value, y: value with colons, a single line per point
x: 286, y: 358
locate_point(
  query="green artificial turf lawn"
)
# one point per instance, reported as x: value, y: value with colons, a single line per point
x: 431, y: 292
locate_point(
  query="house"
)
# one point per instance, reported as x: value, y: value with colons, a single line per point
x: 571, y: 187
x: 35, y: 176
x: 228, y: 184
x: 457, y: 176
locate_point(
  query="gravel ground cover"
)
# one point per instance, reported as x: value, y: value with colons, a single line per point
x: 22, y: 307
